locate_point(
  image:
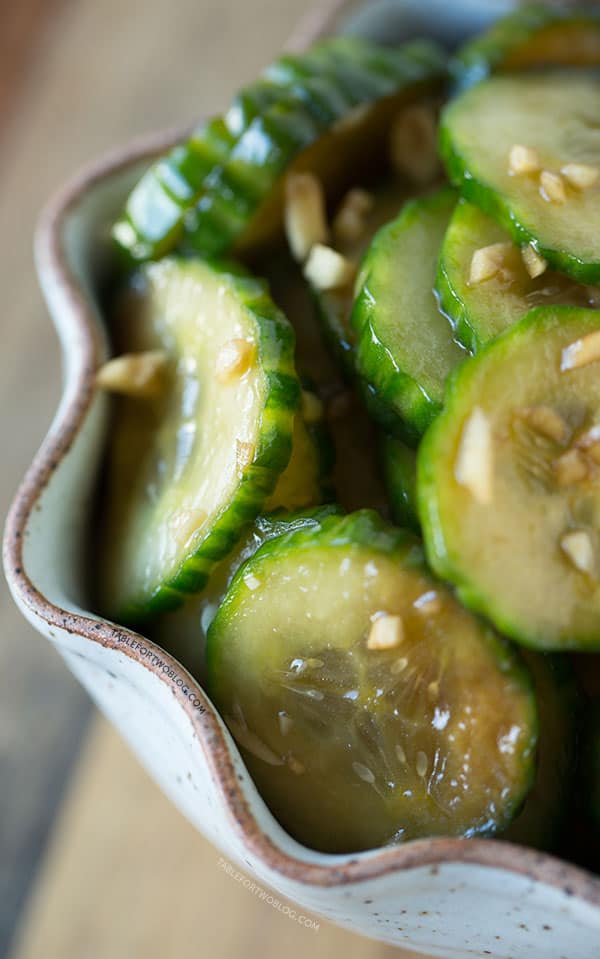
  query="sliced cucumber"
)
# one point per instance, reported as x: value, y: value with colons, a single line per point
x: 481, y: 310
x: 206, y: 191
x: 536, y: 35
x: 508, y: 484
x: 242, y: 204
x: 556, y: 115
x: 543, y: 815
x: 351, y: 745
x: 187, y: 472
x: 306, y: 480
x: 182, y: 632
x: 405, y: 346
x: 335, y: 306
x: 400, y: 472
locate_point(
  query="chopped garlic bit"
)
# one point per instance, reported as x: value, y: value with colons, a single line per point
x: 474, y: 463
x: 577, y: 545
x: 363, y: 772
x: 244, y: 454
x: 285, y: 722
x: 581, y: 352
x: 534, y: 263
x: 350, y: 219
x: 134, y: 374
x: 572, y: 467
x: 295, y: 766
x: 590, y: 442
x: 311, y: 407
x: 327, y: 269
x: 387, y: 632
x: 421, y: 764
x: 488, y: 261
x: 234, y: 359
x: 581, y: 176
x: 552, y: 187
x: 547, y: 422
x: 523, y: 160
x: 413, y: 143
x: 250, y: 741
x: 304, y: 215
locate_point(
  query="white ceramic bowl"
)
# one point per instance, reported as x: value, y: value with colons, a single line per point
x: 448, y: 897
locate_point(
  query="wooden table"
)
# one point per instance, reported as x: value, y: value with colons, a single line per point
x: 75, y: 79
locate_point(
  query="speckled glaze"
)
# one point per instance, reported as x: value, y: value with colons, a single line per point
x: 447, y: 897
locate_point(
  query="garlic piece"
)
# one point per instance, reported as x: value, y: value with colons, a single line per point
x: 244, y: 454
x: 552, y: 187
x: 523, y: 160
x: 577, y: 545
x: 304, y: 214
x: 581, y: 176
x: 547, y: 422
x: 534, y: 263
x: 413, y: 143
x: 488, y: 261
x: 328, y: 270
x: 349, y: 221
x: 570, y: 468
x: 387, y: 632
x: 473, y: 468
x: 581, y: 352
x: 134, y: 374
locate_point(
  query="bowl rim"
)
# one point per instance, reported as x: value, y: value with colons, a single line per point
x: 69, y: 298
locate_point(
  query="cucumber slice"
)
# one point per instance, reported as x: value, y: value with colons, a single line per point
x: 534, y: 36
x: 205, y: 191
x: 353, y: 746
x: 480, y: 311
x: 187, y: 472
x: 182, y: 632
x: 543, y: 815
x: 334, y: 307
x: 508, y: 485
x: 241, y: 206
x: 555, y: 114
x: 405, y: 345
x: 306, y: 480
x: 399, y: 464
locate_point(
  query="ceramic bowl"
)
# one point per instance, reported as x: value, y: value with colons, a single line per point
x: 446, y: 897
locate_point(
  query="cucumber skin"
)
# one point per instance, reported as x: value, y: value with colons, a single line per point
x: 454, y: 307
x: 438, y: 556
x: 362, y: 529
x: 399, y: 404
x: 399, y: 472
x: 498, y: 207
x: 276, y: 343
x: 487, y: 53
x: 200, y: 195
x: 543, y: 815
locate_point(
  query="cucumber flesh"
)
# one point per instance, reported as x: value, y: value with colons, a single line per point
x: 352, y: 746
x: 480, y: 311
x: 534, y: 36
x: 399, y: 464
x: 506, y: 477
x: 306, y: 479
x: 555, y: 114
x: 187, y: 472
x: 405, y: 344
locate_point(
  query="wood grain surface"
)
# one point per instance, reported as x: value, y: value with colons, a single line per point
x: 125, y: 876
